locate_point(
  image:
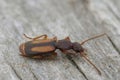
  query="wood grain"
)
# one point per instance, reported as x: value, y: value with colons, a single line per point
x: 78, y: 19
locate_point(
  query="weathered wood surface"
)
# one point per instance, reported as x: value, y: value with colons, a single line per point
x: 79, y: 19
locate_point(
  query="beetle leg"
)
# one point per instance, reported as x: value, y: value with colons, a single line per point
x: 55, y: 38
x: 67, y: 38
x: 23, y: 55
x: 37, y: 57
x: 51, y: 56
x: 44, y: 37
x: 67, y: 52
x: 27, y: 36
x: 85, y: 50
x: 85, y: 57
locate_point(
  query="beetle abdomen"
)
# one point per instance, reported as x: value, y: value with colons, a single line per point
x: 34, y: 49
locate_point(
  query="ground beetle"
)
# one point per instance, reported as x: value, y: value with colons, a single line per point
x: 43, y: 47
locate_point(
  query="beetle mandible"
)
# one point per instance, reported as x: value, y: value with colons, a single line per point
x: 43, y: 47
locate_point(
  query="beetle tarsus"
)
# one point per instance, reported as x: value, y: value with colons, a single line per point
x: 27, y: 36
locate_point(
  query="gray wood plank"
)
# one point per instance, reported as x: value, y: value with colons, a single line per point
x: 75, y: 18
x: 108, y: 15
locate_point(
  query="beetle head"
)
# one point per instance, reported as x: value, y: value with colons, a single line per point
x: 77, y: 47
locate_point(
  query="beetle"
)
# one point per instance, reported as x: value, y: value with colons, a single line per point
x: 42, y: 47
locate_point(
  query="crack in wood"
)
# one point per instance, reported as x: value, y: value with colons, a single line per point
x: 115, y: 47
x: 14, y: 70
x: 77, y: 67
x: 113, y: 12
x: 18, y: 74
x: 33, y: 74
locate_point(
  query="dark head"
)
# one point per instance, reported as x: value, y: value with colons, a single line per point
x: 77, y: 47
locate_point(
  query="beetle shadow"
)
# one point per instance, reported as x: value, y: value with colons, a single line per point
x: 44, y: 59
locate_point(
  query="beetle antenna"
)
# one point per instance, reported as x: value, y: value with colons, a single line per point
x: 27, y: 36
x: 92, y: 38
x: 91, y: 63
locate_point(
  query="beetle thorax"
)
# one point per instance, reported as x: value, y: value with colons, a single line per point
x: 64, y: 44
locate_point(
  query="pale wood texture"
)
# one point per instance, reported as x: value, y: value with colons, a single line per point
x: 78, y: 19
